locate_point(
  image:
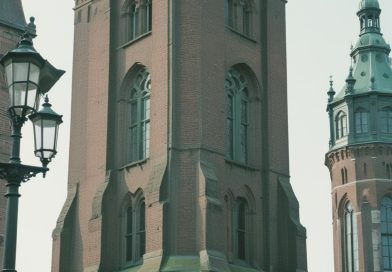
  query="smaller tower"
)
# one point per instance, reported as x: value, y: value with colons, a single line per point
x: 360, y: 152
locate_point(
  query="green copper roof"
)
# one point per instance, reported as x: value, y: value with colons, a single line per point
x: 369, y: 4
x: 11, y: 14
x: 372, y: 70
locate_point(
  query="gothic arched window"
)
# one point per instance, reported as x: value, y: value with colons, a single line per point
x: 135, y: 236
x: 237, y: 119
x: 238, y: 16
x: 241, y: 230
x: 361, y: 121
x: 386, y: 232
x: 139, y: 116
x: 341, y: 125
x: 386, y: 120
x: 138, y: 18
x: 350, y: 240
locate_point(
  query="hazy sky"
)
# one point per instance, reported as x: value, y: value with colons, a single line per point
x: 319, y: 35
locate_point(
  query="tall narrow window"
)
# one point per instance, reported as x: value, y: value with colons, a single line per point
x: 139, y: 110
x: 240, y: 229
x: 141, y: 229
x: 129, y: 235
x: 386, y: 120
x: 386, y: 232
x: 361, y: 122
x: 344, y: 175
x: 350, y: 240
x: 238, y: 16
x: 246, y: 20
x: 237, y: 116
x: 135, y: 236
x: 138, y: 15
x: 341, y: 125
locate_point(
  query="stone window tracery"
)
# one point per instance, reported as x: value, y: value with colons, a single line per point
x: 350, y: 239
x: 135, y: 234
x: 139, y: 117
x: 239, y: 16
x: 237, y: 116
x: 137, y: 18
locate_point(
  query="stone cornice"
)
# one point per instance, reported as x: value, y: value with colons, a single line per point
x: 356, y: 151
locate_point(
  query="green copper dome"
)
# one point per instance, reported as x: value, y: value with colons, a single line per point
x: 364, y: 4
x: 371, y: 71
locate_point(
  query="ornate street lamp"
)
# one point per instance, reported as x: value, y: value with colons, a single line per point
x: 28, y: 77
x: 46, y: 126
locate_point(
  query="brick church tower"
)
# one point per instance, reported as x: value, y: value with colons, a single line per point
x: 360, y: 154
x: 12, y: 26
x: 179, y: 145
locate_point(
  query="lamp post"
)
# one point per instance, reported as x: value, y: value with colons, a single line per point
x: 28, y: 76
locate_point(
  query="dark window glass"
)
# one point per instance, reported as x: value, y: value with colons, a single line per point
x: 139, y: 128
x: 129, y: 234
x: 341, y: 125
x: 241, y: 230
x: 350, y: 240
x: 237, y: 116
x: 386, y: 121
x: 361, y: 122
x: 135, y: 237
x: 386, y: 232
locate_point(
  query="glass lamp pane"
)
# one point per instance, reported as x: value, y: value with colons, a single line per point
x: 38, y: 135
x: 49, y: 134
x: 17, y: 94
x: 32, y: 96
x: 8, y: 70
x: 34, y: 73
x: 20, y: 71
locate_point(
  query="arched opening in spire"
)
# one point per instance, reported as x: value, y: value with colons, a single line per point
x: 369, y: 16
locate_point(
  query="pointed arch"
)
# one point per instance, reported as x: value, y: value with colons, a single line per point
x: 134, y: 98
x: 133, y: 228
x: 242, y: 106
x: 341, y: 125
x: 241, y: 229
x: 137, y: 18
x: 349, y: 236
x: 239, y: 15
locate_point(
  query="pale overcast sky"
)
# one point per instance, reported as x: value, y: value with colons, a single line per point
x: 319, y: 35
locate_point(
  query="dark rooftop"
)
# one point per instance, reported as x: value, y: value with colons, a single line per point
x: 11, y: 14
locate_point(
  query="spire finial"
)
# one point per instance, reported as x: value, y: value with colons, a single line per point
x: 331, y: 92
x: 350, y: 80
x: 31, y: 28
x: 29, y: 34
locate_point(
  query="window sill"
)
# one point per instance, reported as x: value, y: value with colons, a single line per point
x: 131, y: 266
x: 241, y: 164
x: 133, y: 164
x: 241, y: 34
x: 138, y: 38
